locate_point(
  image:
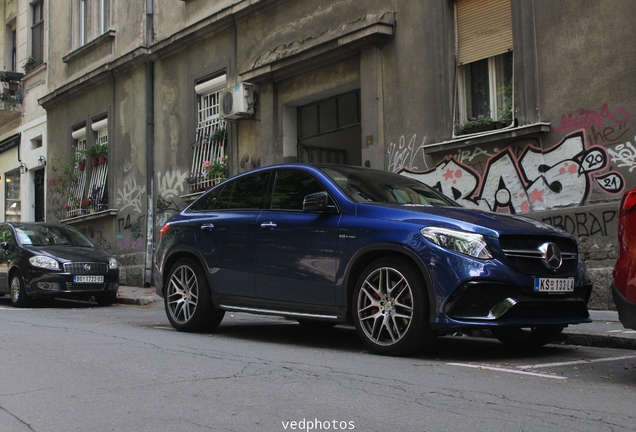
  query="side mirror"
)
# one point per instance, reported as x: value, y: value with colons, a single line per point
x: 319, y: 202
x: 5, y: 246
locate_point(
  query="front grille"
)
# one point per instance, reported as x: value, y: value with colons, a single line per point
x: 81, y: 268
x: 524, y: 256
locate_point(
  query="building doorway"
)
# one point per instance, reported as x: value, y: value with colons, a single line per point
x: 38, y: 181
x: 330, y: 131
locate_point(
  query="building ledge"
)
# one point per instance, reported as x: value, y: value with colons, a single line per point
x: 89, y: 216
x: 489, y: 137
x: 107, y: 37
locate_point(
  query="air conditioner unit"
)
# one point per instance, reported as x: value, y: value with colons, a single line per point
x: 238, y: 102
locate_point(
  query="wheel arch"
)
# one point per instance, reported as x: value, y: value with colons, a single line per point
x: 366, y: 256
x: 176, y: 255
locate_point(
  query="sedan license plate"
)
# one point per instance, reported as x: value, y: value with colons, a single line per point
x: 553, y: 285
x: 88, y: 279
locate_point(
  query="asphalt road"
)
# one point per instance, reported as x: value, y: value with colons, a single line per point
x: 69, y: 366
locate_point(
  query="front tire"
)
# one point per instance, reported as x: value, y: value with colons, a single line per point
x: 19, y: 297
x: 187, y: 299
x: 391, y: 308
x: 530, y: 337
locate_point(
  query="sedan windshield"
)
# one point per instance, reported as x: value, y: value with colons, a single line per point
x: 367, y: 185
x: 49, y: 235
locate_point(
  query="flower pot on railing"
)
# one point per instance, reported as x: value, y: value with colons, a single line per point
x: 81, y: 165
x: 101, y: 160
x: 94, y: 162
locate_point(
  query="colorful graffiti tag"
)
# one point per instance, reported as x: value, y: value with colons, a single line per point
x: 535, y: 180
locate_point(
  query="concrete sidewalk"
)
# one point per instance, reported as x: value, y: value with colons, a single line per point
x: 604, y: 331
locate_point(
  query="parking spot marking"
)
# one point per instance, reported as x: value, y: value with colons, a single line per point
x: 511, y: 369
x: 578, y: 362
x: 532, y: 369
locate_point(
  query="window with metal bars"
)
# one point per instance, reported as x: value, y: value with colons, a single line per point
x: 77, y: 187
x: 209, y: 159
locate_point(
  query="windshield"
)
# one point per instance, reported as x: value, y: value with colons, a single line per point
x: 49, y: 235
x: 367, y: 185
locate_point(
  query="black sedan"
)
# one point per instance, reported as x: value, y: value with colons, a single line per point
x: 47, y: 260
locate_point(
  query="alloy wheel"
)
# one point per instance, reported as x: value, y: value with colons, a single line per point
x: 183, y: 294
x: 385, y: 306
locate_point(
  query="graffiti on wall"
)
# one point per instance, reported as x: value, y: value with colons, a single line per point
x: 534, y: 180
x: 585, y: 223
x: 169, y: 185
x: 592, y: 120
x: 403, y: 155
x: 131, y: 195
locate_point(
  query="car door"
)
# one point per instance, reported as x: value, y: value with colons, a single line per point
x: 295, y: 250
x: 225, y: 231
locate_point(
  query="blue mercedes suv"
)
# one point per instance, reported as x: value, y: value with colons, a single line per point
x: 335, y: 244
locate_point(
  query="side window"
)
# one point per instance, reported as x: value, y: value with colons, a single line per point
x: 211, y: 200
x: 249, y: 191
x: 243, y: 193
x: 290, y: 189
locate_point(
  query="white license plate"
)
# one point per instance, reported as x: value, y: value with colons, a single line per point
x: 553, y: 285
x: 88, y: 279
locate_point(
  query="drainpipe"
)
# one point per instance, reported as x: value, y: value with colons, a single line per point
x: 150, y: 146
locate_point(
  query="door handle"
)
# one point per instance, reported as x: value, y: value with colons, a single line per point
x: 269, y: 225
x: 208, y: 226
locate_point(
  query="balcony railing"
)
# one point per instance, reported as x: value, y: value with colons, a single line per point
x: 11, y: 94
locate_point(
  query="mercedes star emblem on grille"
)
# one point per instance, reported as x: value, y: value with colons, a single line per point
x: 551, y: 258
x: 87, y: 267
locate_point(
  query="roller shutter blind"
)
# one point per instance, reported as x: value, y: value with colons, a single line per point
x: 484, y: 29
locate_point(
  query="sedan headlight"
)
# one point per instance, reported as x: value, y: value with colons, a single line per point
x: 44, y: 262
x: 112, y: 263
x: 466, y: 243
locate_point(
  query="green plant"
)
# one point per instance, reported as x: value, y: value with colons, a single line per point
x: 217, y: 169
x: 219, y: 135
x: 30, y: 64
x: 475, y: 122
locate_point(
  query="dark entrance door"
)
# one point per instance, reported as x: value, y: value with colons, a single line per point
x: 39, y: 196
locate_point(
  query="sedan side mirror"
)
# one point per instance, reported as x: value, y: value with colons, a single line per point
x: 5, y: 246
x: 319, y: 202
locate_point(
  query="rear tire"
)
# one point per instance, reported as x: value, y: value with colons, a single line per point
x: 188, y: 301
x: 390, y: 308
x: 529, y: 337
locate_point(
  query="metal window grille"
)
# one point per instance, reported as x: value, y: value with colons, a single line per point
x: 205, y: 149
x: 99, y: 174
x: 77, y: 188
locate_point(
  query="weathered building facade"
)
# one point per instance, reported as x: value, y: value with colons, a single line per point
x: 394, y: 85
x: 23, y: 135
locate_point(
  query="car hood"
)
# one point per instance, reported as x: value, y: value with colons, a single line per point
x: 478, y: 221
x: 71, y: 253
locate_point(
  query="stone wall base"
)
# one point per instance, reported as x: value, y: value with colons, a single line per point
x: 602, y: 293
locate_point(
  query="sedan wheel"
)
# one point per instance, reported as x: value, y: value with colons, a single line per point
x: 531, y: 337
x: 391, y: 308
x: 187, y: 300
x: 19, y: 296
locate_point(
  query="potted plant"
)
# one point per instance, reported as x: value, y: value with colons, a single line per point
x: 102, y: 153
x: 80, y: 159
x: 480, y: 123
x: 93, y: 153
x: 217, y: 170
x: 193, y: 180
x: 30, y: 64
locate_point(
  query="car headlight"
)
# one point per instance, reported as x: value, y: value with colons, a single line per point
x: 44, y: 262
x: 112, y: 263
x: 466, y: 243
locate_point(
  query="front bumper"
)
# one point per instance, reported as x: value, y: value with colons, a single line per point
x: 493, y: 304
x: 626, y: 309
x: 62, y: 285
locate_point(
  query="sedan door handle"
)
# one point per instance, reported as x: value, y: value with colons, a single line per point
x: 270, y: 225
x: 208, y: 226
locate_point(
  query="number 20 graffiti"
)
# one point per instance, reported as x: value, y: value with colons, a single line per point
x: 537, y: 180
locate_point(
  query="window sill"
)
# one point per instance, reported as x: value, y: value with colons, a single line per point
x: 489, y: 137
x: 190, y: 197
x: 89, y: 216
x: 107, y: 37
